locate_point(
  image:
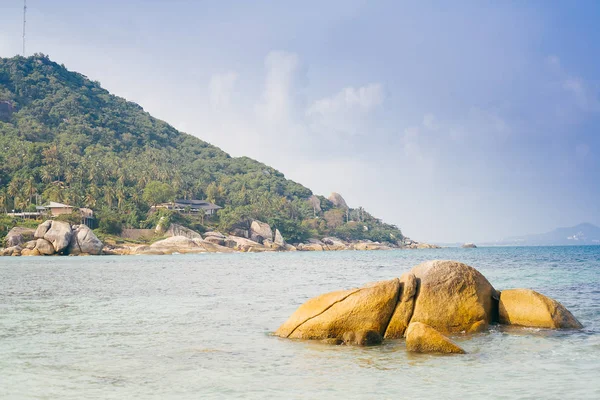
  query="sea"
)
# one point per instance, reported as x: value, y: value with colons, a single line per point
x: 200, y: 327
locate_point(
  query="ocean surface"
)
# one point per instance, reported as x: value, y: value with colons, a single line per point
x: 199, y: 327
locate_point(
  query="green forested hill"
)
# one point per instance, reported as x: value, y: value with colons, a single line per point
x: 66, y: 139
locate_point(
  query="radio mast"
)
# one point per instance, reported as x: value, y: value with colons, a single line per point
x: 24, y: 22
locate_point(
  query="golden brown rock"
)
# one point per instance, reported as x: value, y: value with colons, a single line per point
x: 310, y: 247
x: 422, y: 338
x: 404, y: 308
x: 452, y: 297
x: 30, y: 252
x: 526, y: 307
x: 333, y: 314
x: 362, y: 338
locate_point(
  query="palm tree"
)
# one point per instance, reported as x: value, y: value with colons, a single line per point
x: 46, y: 175
x: 3, y: 201
x: 109, y: 195
x: 30, y: 189
x: 121, y: 194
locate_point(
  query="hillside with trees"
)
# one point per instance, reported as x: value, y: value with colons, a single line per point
x: 66, y: 139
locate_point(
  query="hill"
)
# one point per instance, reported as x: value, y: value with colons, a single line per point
x: 582, y: 234
x: 66, y: 139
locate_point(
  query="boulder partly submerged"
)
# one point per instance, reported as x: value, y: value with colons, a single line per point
x: 433, y: 299
x: 422, y: 338
x: 335, y: 314
x: 453, y: 297
x: 526, y: 307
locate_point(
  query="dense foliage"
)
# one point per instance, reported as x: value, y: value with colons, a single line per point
x: 68, y: 140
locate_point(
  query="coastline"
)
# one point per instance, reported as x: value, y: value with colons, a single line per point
x: 54, y: 237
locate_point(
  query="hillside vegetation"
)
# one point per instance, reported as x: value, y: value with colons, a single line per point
x: 69, y: 140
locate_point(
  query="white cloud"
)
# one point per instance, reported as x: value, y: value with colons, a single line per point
x: 429, y: 122
x: 585, y: 98
x: 278, y: 102
x: 220, y: 89
x: 352, y: 99
x: 346, y: 112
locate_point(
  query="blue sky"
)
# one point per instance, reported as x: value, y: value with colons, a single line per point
x: 457, y: 121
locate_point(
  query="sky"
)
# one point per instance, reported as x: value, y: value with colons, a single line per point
x: 457, y: 121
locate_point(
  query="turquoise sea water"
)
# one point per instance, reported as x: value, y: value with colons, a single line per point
x: 198, y: 327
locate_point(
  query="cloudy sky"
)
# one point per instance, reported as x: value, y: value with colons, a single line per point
x: 457, y: 121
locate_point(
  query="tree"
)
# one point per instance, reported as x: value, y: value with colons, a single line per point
x: 157, y: 192
x: 334, y: 218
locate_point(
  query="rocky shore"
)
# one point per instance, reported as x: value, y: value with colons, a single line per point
x: 61, y: 238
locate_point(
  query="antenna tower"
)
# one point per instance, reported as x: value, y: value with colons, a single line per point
x: 24, y: 21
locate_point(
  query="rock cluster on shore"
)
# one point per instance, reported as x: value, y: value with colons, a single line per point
x: 432, y: 300
x: 56, y: 237
x: 52, y: 237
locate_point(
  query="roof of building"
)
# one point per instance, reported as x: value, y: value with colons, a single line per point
x: 54, y: 204
x: 207, y: 205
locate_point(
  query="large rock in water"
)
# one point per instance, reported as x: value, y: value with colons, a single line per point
x: 18, y: 235
x: 84, y: 241
x: 453, y: 297
x: 421, y: 338
x: 404, y: 308
x: 333, y: 315
x: 526, y: 307
x: 58, y: 233
x: 260, y: 231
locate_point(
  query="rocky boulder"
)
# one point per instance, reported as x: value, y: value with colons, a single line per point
x: 260, y: 231
x: 44, y: 247
x: 180, y: 230
x: 11, y: 251
x: 242, y: 244
x: 421, y: 338
x: 337, y: 200
x: 84, y: 241
x: 453, y: 297
x: 175, y: 244
x: 334, y: 243
x: 434, y: 298
x: 58, y: 233
x: 212, y: 247
x: 42, y: 229
x: 526, y: 307
x: 18, y: 235
x: 369, y: 246
x: 404, y: 308
x: 30, y: 252
x: 215, y: 240
x: 361, y: 338
x: 469, y: 246
x: 315, y: 203
x: 214, y: 234
x: 278, y: 240
x: 310, y: 247
x: 333, y: 315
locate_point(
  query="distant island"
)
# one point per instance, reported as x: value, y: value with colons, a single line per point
x: 74, y: 152
x: 578, y: 235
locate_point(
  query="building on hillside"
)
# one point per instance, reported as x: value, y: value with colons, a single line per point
x: 87, y: 218
x: 192, y: 206
x: 56, y: 209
